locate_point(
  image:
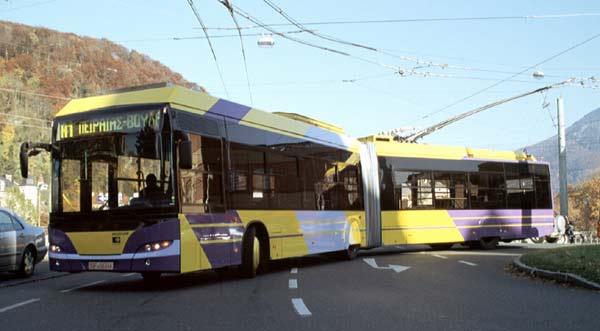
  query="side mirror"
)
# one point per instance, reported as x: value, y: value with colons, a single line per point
x: 185, y: 154
x: 24, y: 159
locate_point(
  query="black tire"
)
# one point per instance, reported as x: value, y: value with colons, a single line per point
x: 27, y: 266
x: 441, y: 246
x: 551, y: 240
x: 488, y: 243
x: 350, y: 253
x: 537, y: 240
x: 251, y: 254
x: 151, y: 277
x: 473, y: 244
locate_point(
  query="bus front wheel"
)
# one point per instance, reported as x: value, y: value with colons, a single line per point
x: 151, y: 277
x: 250, y: 254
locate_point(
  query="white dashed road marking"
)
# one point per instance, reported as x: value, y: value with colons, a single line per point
x: 16, y: 305
x: 301, y: 307
x: 467, y: 263
x: 293, y: 283
x: 82, y: 286
x: 294, y: 271
x: 440, y: 256
x: 128, y: 275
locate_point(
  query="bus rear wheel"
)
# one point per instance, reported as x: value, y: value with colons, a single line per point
x: 250, y: 254
x: 350, y: 253
x: 488, y: 243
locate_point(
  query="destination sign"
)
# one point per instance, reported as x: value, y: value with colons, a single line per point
x: 125, y: 123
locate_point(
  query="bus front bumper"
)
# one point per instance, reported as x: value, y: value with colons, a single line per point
x: 164, y: 260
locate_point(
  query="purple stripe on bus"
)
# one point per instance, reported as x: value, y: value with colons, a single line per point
x: 230, y: 110
x: 503, y: 221
x: 60, y: 238
x: 221, y: 254
x: 500, y: 212
x: 230, y: 216
x: 306, y: 216
x: 165, y: 230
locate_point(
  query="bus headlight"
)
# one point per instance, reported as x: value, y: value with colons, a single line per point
x: 55, y: 248
x: 156, y: 246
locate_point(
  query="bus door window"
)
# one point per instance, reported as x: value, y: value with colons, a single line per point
x: 71, y: 188
x: 100, y: 193
x: 201, y: 186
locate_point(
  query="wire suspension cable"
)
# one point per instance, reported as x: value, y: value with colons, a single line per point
x: 512, y: 76
x: 421, y: 63
x: 212, y: 50
x: 441, y: 125
x: 227, y: 4
x: 254, y: 20
x: 413, y: 20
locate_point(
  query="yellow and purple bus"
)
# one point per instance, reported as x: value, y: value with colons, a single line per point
x: 162, y: 179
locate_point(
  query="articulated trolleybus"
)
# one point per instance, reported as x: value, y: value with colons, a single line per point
x: 162, y: 179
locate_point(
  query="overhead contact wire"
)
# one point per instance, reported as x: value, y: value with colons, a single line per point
x: 212, y: 50
x: 227, y: 4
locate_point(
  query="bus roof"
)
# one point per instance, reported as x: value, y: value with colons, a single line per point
x: 387, y: 146
x: 201, y: 103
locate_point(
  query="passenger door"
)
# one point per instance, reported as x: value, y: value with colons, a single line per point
x: 8, y: 240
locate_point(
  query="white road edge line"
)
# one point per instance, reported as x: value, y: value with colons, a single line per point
x: 293, y: 283
x: 128, y: 275
x: 467, y: 263
x: 16, y: 305
x: 301, y: 307
x: 82, y: 286
x: 440, y: 256
x: 294, y: 271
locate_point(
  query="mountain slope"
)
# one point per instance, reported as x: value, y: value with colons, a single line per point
x: 41, y: 69
x: 583, y: 150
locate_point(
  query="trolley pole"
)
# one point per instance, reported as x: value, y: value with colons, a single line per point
x: 562, y: 158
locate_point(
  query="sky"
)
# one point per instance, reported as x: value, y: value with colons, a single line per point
x: 362, y: 90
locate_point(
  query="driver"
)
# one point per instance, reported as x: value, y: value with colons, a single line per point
x: 151, y: 190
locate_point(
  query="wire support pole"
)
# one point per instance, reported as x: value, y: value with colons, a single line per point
x: 562, y: 158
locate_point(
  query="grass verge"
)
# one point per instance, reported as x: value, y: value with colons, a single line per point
x: 583, y: 261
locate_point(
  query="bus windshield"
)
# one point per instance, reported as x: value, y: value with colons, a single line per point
x: 128, y: 169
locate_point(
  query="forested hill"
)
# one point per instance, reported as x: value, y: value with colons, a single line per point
x: 583, y: 150
x: 40, y: 69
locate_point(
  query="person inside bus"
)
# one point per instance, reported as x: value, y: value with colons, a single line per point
x: 152, y: 191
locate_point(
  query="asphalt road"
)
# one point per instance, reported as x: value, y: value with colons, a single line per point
x: 397, y: 288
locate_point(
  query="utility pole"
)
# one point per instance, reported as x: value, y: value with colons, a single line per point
x: 562, y: 158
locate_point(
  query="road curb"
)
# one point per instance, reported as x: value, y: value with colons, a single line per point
x: 559, y: 276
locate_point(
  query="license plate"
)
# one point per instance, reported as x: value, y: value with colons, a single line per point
x: 101, y: 265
